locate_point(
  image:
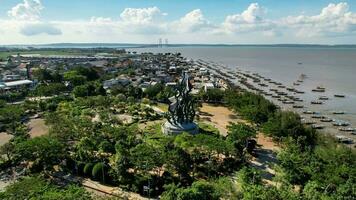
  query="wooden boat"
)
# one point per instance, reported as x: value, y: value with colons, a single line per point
x: 318, y: 90
x: 316, y: 102
x: 338, y: 112
x: 318, y: 117
x: 341, y: 123
x: 317, y: 126
x: 344, y: 139
x: 340, y: 95
x: 326, y: 119
x: 298, y: 106
x: 323, y: 98
x: 347, y: 129
x: 288, y: 102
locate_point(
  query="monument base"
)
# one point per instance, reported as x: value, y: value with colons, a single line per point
x: 173, y: 129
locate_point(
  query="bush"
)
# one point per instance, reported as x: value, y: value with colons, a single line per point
x: 99, y: 171
x: 88, y: 169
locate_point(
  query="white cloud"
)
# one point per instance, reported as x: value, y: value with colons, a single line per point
x: 141, y: 15
x: 192, y: 22
x: 37, y: 28
x: 251, y: 19
x: 144, y: 25
x: 333, y: 20
x: 27, y: 10
x: 101, y: 20
x: 142, y: 20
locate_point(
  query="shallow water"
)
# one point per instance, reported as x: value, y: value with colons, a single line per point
x: 332, y: 68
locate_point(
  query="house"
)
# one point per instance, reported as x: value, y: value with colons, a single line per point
x: 116, y: 82
x: 208, y: 86
x: 14, y: 85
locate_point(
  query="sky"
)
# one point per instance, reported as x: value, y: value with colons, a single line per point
x: 178, y: 21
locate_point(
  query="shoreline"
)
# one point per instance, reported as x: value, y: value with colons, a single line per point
x: 253, y: 82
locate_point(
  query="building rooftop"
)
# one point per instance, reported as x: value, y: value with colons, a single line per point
x: 16, y: 83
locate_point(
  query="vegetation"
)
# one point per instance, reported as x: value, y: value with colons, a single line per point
x: 106, y: 137
x: 38, y: 188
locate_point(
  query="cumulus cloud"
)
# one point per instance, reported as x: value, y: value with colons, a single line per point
x: 333, y: 20
x: 26, y: 19
x: 27, y: 10
x: 141, y: 15
x: 142, y: 20
x: 38, y: 28
x: 147, y: 24
x: 251, y: 19
x: 192, y: 22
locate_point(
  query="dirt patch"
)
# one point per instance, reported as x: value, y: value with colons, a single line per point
x: 37, y: 127
x: 266, y: 142
x: 219, y: 116
x: 105, y: 190
x: 4, y: 138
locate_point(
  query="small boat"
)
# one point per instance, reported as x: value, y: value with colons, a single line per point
x: 317, y: 126
x: 323, y: 98
x: 344, y: 139
x: 338, y: 112
x: 308, y: 122
x: 340, y: 95
x: 318, y: 90
x: 263, y: 85
x: 341, y: 123
x: 308, y: 112
x: 298, y: 106
x: 326, y: 119
x: 299, y: 92
x: 288, y: 102
x: 300, y: 81
x: 316, y: 102
x: 318, y: 117
x: 290, y: 89
x: 281, y: 86
x: 347, y: 129
x: 296, y: 84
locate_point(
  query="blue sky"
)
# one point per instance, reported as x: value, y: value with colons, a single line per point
x: 182, y: 21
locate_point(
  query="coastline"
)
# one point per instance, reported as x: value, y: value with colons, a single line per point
x: 245, y: 79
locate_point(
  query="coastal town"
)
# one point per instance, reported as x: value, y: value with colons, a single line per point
x: 17, y: 72
x: 117, y: 110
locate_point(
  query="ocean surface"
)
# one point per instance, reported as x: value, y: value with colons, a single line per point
x: 332, y: 68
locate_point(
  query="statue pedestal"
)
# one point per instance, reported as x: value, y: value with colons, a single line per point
x: 174, y: 129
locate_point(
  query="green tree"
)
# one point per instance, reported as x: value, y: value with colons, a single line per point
x: 39, y: 188
x: 43, y: 151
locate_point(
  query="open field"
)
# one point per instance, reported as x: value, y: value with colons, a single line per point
x: 5, y: 54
